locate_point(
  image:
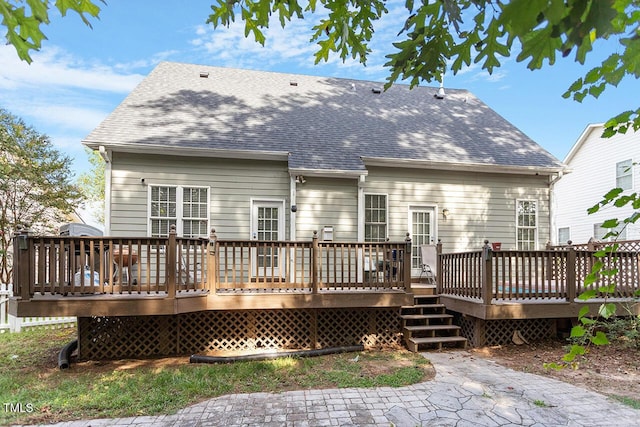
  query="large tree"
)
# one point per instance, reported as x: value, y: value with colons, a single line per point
x: 91, y: 184
x: 36, y: 189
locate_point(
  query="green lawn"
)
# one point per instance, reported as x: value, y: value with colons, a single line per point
x: 34, y: 390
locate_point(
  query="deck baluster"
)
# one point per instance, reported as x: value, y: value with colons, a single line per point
x: 487, y: 279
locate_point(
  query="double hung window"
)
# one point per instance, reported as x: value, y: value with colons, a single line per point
x: 187, y: 208
x: 526, y: 224
x: 375, y: 217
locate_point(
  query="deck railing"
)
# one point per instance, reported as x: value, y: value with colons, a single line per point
x: 488, y: 275
x: 172, y: 266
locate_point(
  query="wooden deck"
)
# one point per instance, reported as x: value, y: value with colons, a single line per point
x: 545, y: 284
x: 111, y: 276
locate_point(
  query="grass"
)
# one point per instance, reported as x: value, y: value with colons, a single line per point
x: 632, y: 403
x: 34, y: 390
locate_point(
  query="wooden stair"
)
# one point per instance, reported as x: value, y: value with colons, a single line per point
x: 426, y: 324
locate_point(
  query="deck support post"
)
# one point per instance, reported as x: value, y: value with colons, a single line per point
x: 22, y: 252
x: 571, y: 273
x: 315, y: 254
x: 439, y: 267
x: 487, y: 278
x: 171, y: 263
x: 212, y: 262
x: 406, y: 261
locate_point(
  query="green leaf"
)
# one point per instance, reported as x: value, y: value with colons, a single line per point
x: 587, y: 321
x: 600, y: 339
x: 539, y: 45
x: 554, y: 365
x: 608, y: 289
x: 607, y: 310
x: 587, y: 295
x: 583, y: 311
x: 576, y: 350
x: 578, y: 331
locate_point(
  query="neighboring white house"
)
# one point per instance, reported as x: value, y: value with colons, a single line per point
x: 596, y: 166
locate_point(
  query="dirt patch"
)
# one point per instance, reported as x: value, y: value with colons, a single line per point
x: 372, y: 368
x: 613, y: 370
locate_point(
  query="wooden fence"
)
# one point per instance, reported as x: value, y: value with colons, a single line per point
x: 552, y: 274
x: 16, y: 324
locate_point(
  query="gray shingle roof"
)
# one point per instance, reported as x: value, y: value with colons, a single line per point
x: 323, y: 123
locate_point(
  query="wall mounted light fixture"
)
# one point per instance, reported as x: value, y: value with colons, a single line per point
x: 300, y: 179
x: 445, y: 213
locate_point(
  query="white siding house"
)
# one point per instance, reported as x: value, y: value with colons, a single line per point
x: 596, y: 165
x: 261, y: 155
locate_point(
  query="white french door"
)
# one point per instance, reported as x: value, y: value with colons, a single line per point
x: 423, y: 228
x: 267, y: 224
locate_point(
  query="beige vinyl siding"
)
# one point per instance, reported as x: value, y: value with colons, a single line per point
x: 232, y: 184
x: 481, y: 206
x: 327, y: 202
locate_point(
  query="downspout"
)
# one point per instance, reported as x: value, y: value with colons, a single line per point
x: 360, y: 215
x: 552, y: 221
x: 292, y: 218
x: 106, y: 156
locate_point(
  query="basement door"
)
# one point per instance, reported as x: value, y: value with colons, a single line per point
x: 267, y: 225
x: 422, y: 226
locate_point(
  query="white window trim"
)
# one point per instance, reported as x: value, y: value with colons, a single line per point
x: 560, y: 242
x: 434, y: 226
x: 536, y: 229
x: 179, y: 209
x: 281, y: 220
x: 364, y: 211
x: 605, y: 231
x: 630, y: 173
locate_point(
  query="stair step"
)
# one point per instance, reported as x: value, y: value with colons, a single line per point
x: 436, y: 340
x: 424, y: 306
x: 425, y: 316
x: 414, y: 343
x: 418, y: 328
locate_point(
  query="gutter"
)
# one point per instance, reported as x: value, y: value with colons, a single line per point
x: 191, y: 151
x: 552, y: 221
x: 461, y: 166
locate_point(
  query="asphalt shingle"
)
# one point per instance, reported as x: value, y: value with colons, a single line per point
x: 323, y: 123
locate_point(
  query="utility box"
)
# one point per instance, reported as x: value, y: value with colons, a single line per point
x: 79, y: 229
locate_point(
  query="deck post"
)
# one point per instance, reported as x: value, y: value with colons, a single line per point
x: 22, y: 264
x: 407, y: 264
x: 439, y: 267
x: 212, y: 262
x: 171, y: 262
x: 487, y: 278
x: 315, y: 254
x: 571, y: 273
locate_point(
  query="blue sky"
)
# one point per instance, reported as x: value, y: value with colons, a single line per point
x: 81, y: 74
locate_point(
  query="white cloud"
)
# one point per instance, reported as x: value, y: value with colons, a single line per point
x: 290, y: 49
x: 55, y: 68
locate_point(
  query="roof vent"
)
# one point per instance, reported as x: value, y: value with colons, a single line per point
x: 440, y: 94
x: 376, y: 90
x: 204, y: 74
x: 293, y: 83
